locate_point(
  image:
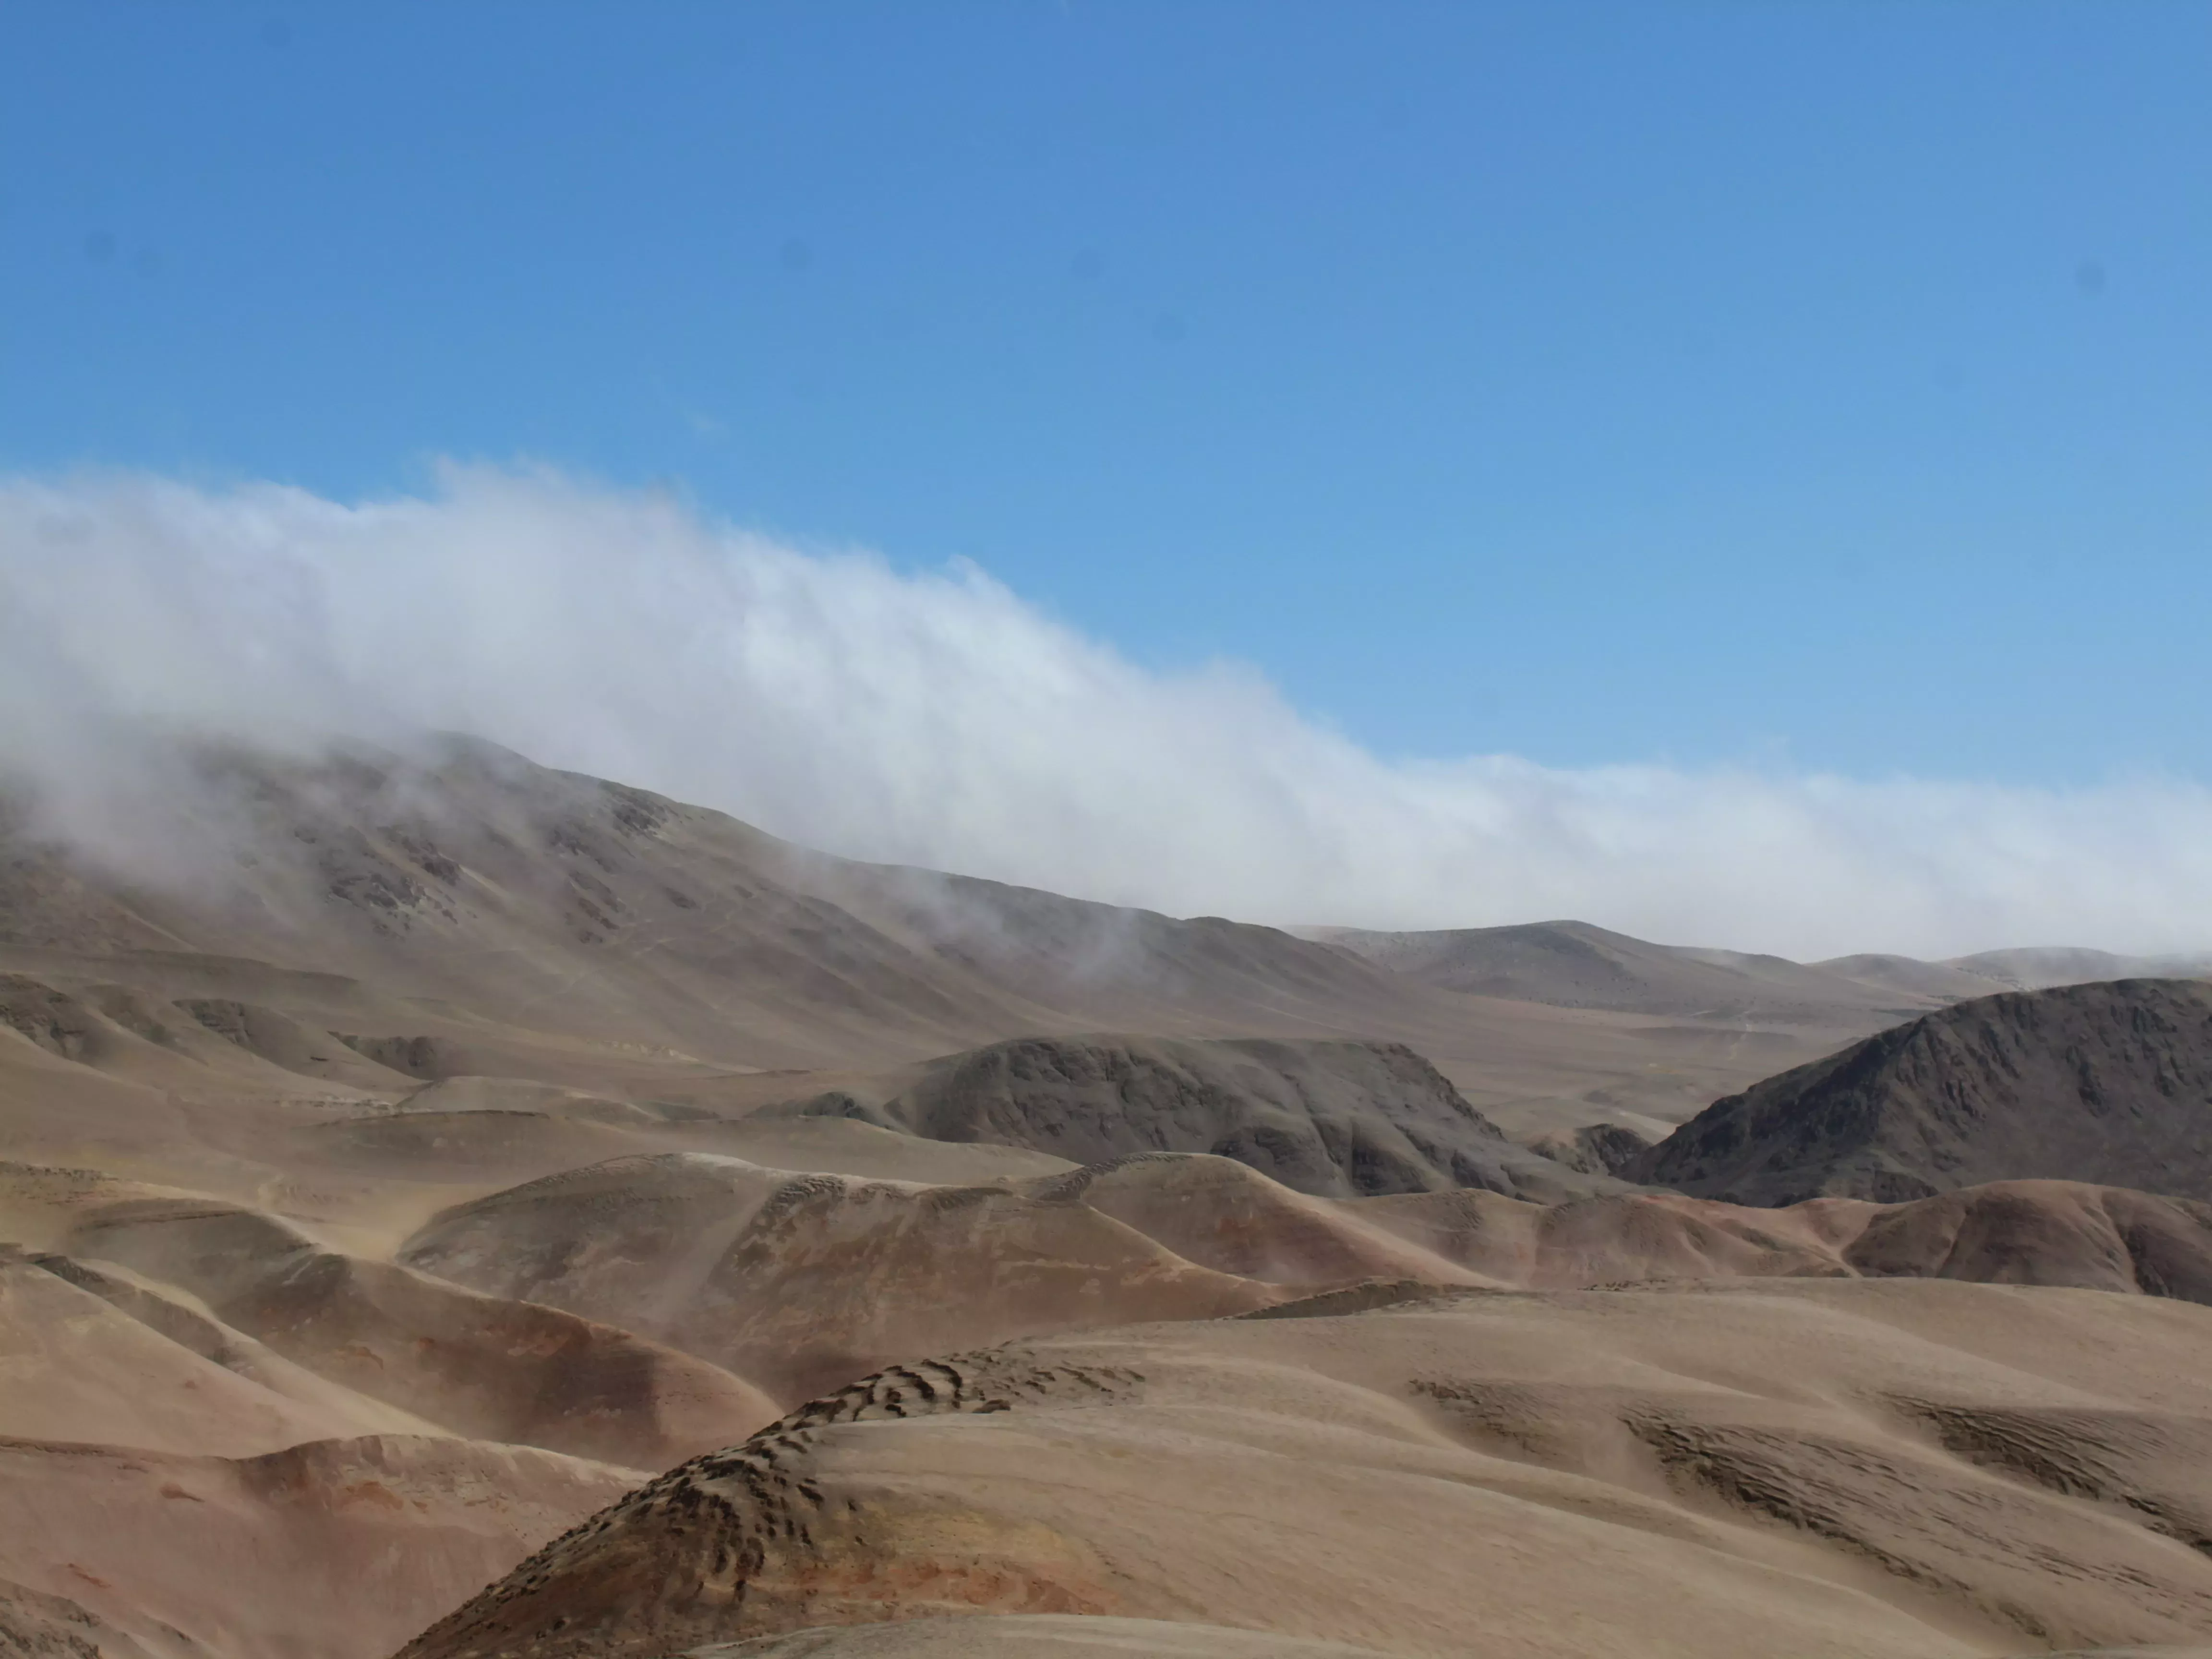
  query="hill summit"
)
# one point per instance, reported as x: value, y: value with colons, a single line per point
x: 2108, y: 1083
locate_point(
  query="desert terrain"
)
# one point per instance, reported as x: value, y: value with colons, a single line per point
x: 455, y: 1207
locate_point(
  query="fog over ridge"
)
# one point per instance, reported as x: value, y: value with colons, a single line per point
x: 937, y: 719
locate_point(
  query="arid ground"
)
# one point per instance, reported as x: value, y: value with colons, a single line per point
x: 457, y: 1209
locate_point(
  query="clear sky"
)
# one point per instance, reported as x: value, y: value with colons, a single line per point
x: 1805, y: 384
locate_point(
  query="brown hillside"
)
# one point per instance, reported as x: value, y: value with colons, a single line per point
x: 2107, y: 1083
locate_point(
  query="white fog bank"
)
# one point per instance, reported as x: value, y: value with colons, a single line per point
x: 938, y: 720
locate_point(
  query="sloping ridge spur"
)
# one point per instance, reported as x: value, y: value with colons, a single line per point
x: 2109, y: 1083
x: 1573, y: 964
x: 739, y: 1539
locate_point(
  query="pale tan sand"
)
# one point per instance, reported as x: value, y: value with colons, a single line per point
x: 1807, y: 1467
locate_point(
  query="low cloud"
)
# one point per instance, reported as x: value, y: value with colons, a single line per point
x: 938, y: 719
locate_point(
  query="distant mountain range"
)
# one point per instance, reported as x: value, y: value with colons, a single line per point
x: 1573, y: 964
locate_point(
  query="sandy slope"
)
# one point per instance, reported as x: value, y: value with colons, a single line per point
x: 75, y: 1367
x: 477, y: 1366
x: 327, y: 1547
x: 169, y: 1486
x: 1810, y: 1468
x: 802, y: 1282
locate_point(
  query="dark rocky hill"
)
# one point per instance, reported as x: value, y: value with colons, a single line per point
x: 1336, y: 1118
x: 2105, y: 1083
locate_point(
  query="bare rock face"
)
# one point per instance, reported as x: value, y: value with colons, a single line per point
x: 1334, y: 1118
x: 34, y: 1625
x: 2104, y: 1082
x: 1600, y: 1149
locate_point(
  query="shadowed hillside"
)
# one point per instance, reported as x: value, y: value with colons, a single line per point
x: 2110, y: 1082
x: 1339, y: 1118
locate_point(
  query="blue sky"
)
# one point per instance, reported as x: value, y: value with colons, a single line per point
x: 1813, y: 386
